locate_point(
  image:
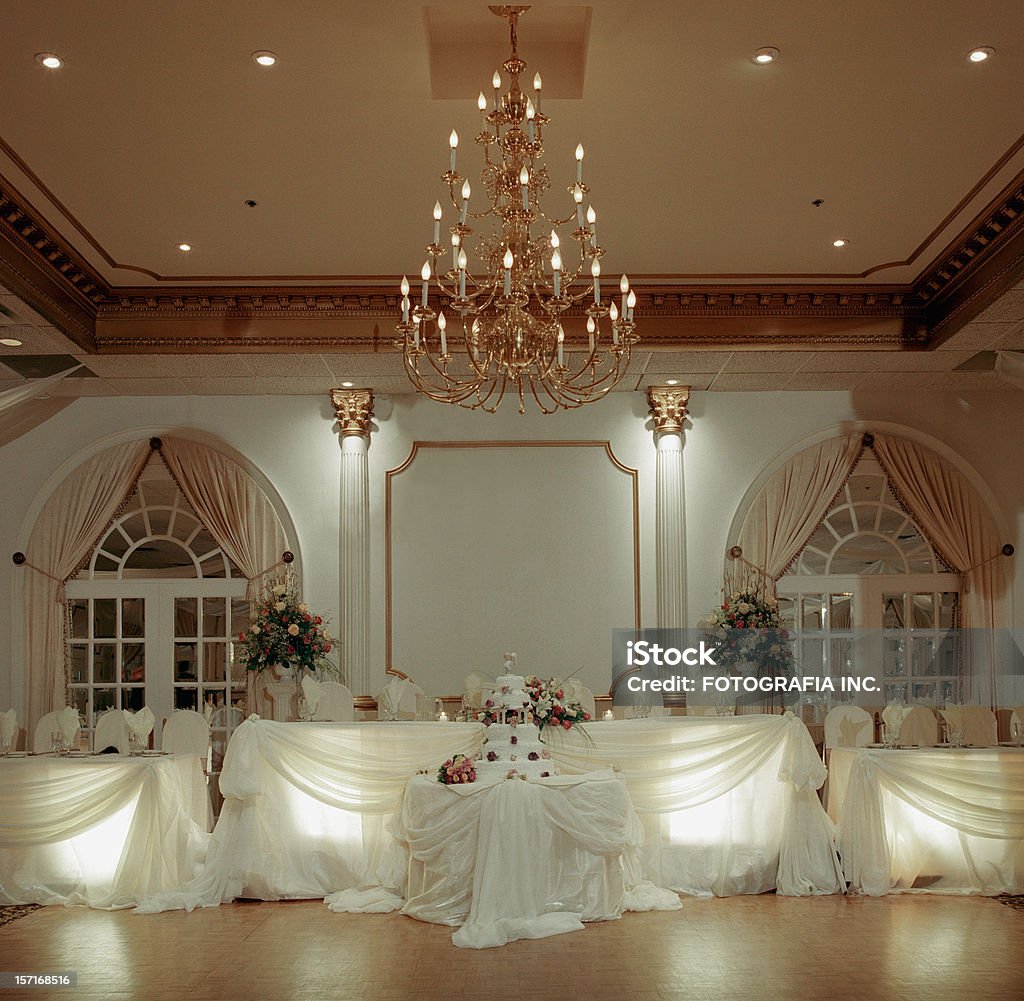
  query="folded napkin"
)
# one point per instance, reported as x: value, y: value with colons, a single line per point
x: 893, y: 716
x: 68, y: 724
x: 399, y: 695
x: 8, y: 726
x: 311, y: 693
x: 955, y: 717
x: 140, y: 724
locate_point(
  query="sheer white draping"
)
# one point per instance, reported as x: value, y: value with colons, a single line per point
x: 68, y: 527
x: 945, y: 821
x: 728, y: 803
x: 792, y: 503
x: 102, y: 831
x: 231, y: 504
x: 307, y: 806
x: 511, y: 859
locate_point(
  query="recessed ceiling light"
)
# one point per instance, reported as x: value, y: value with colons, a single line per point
x: 841, y: 242
x: 347, y: 385
x: 766, y: 54
x: 49, y: 60
x: 10, y: 342
x: 980, y: 54
x: 184, y: 247
x: 264, y: 58
x: 671, y: 382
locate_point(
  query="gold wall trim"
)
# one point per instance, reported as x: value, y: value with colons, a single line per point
x: 418, y: 446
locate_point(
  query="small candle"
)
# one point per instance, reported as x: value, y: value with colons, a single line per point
x: 595, y: 270
x: 442, y: 324
x: 556, y: 266
x: 530, y: 112
x: 624, y: 289
x: 496, y: 83
x: 442, y: 717
x: 630, y: 303
x: 561, y: 339
x: 481, y: 103
x: 466, y: 192
x: 462, y: 274
x: 608, y: 714
x: 405, y: 309
x: 453, y: 142
x: 579, y: 164
x: 536, y: 87
x: 437, y: 222
x: 425, y: 275
x: 456, y: 240
x: 524, y: 181
x: 613, y: 312
x: 577, y: 197
x: 507, y: 261
x: 591, y: 327
x: 592, y: 223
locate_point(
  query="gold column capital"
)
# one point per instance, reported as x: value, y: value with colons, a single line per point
x: 354, y: 409
x: 668, y: 406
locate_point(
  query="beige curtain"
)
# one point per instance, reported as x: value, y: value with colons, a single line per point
x: 792, y: 504
x: 230, y: 504
x: 70, y: 525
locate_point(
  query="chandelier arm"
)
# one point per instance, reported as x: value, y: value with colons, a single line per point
x: 556, y: 222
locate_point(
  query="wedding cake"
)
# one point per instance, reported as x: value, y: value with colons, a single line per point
x: 513, y: 739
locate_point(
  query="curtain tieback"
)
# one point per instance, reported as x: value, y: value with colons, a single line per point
x: 965, y: 584
x: 59, y: 596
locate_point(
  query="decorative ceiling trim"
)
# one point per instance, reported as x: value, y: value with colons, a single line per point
x: 41, y: 266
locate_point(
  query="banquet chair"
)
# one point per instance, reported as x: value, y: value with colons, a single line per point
x: 401, y: 698
x: 336, y: 703
x: 980, y: 728
x: 112, y: 731
x: 476, y: 689
x: 187, y: 732
x: 847, y: 726
x: 920, y: 728
x: 42, y: 737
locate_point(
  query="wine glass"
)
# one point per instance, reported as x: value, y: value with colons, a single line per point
x: 55, y: 741
x: 1015, y: 731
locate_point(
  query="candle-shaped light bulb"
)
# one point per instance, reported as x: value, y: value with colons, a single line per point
x: 592, y: 224
x: 437, y: 222
x: 507, y: 261
x: 591, y: 327
x: 496, y: 84
x: 481, y: 103
x: 536, y: 86
x: 556, y: 267
x: 456, y: 240
x: 531, y: 132
x: 630, y: 304
x: 466, y: 192
x: 442, y: 324
x: 577, y: 197
x: 555, y: 242
x: 405, y: 308
x: 613, y: 312
x: 524, y: 181
x: 404, y: 286
x: 579, y: 164
x: 595, y: 270
x: 425, y: 275
x: 624, y: 288
x: 561, y: 341
x: 416, y: 333
x: 463, y: 261
x: 453, y: 142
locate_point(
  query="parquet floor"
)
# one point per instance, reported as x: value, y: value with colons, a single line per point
x: 908, y: 947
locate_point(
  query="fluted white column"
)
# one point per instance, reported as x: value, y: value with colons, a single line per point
x: 354, y: 409
x: 668, y: 408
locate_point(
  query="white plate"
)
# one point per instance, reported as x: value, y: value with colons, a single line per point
x: 16, y: 754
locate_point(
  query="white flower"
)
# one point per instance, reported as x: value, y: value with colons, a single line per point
x: 280, y: 606
x: 303, y: 607
x: 280, y: 589
x: 743, y: 607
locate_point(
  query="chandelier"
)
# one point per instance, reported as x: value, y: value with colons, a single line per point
x: 508, y: 289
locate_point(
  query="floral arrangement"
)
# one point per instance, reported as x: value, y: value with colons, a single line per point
x: 747, y: 629
x: 459, y: 768
x: 285, y: 631
x: 548, y: 707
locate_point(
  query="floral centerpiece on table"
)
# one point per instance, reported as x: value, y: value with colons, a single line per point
x: 747, y: 630
x: 550, y: 706
x: 284, y: 631
x: 457, y: 769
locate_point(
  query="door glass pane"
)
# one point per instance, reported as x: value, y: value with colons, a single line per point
x: 812, y: 656
x: 133, y: 698
x: 79, y: 664
x: 893, y: 614
x: 80, y: 618
x: 133, y: 663
x: 811, y: 611
x: 133, y: 618
x: 895, y: 659
x: 186, y: 617
x: 80, y: 700
x: 214, y: 662
x: 923, y: 649
x: 240, y: 616
x: 102, y: 700
x: 923, y: 611
x: 186, y: 698
x: 840, y: 611
x: 184, y: 661
x: 213, y: 616
x: 104, y: 663
x: 104, y: 617
x: 947, y: 610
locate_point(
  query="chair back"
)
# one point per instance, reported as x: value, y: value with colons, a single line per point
x: 477, y: 689
x: 336, y: 703
x: 401, y: 698
x: 584, y: 696
x: 112, y: 731
x: 186, y: 732
x: 42, y: 737
x: 920, y: 728
x: 980, y: 727
x: 848, y: 726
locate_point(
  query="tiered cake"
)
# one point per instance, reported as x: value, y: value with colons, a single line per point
x: 513, y: 740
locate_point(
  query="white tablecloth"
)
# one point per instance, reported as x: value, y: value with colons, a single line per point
x: 728, y: 804
x: 100, y: 830
x: 930, y: 820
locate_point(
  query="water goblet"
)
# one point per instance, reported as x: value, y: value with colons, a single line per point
x: 5, y: 744
x: 1015, y: 731
x: 133, y: 743
x: 55, y: 741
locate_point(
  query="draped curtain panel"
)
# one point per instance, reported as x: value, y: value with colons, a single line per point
x: 232, y: 506
x: 790, y: 506
x: 70, y: 525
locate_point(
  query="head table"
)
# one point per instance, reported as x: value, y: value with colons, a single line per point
x: 642, y: 809
x: 938, y: 820
x: 102, y: 830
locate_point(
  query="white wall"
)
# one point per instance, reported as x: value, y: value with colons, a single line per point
x: 731, y: 439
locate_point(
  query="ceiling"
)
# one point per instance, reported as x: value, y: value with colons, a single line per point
x: 704, y: 167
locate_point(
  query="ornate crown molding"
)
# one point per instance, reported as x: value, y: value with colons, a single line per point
x: 668, y: 406
x: 354, y: 410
